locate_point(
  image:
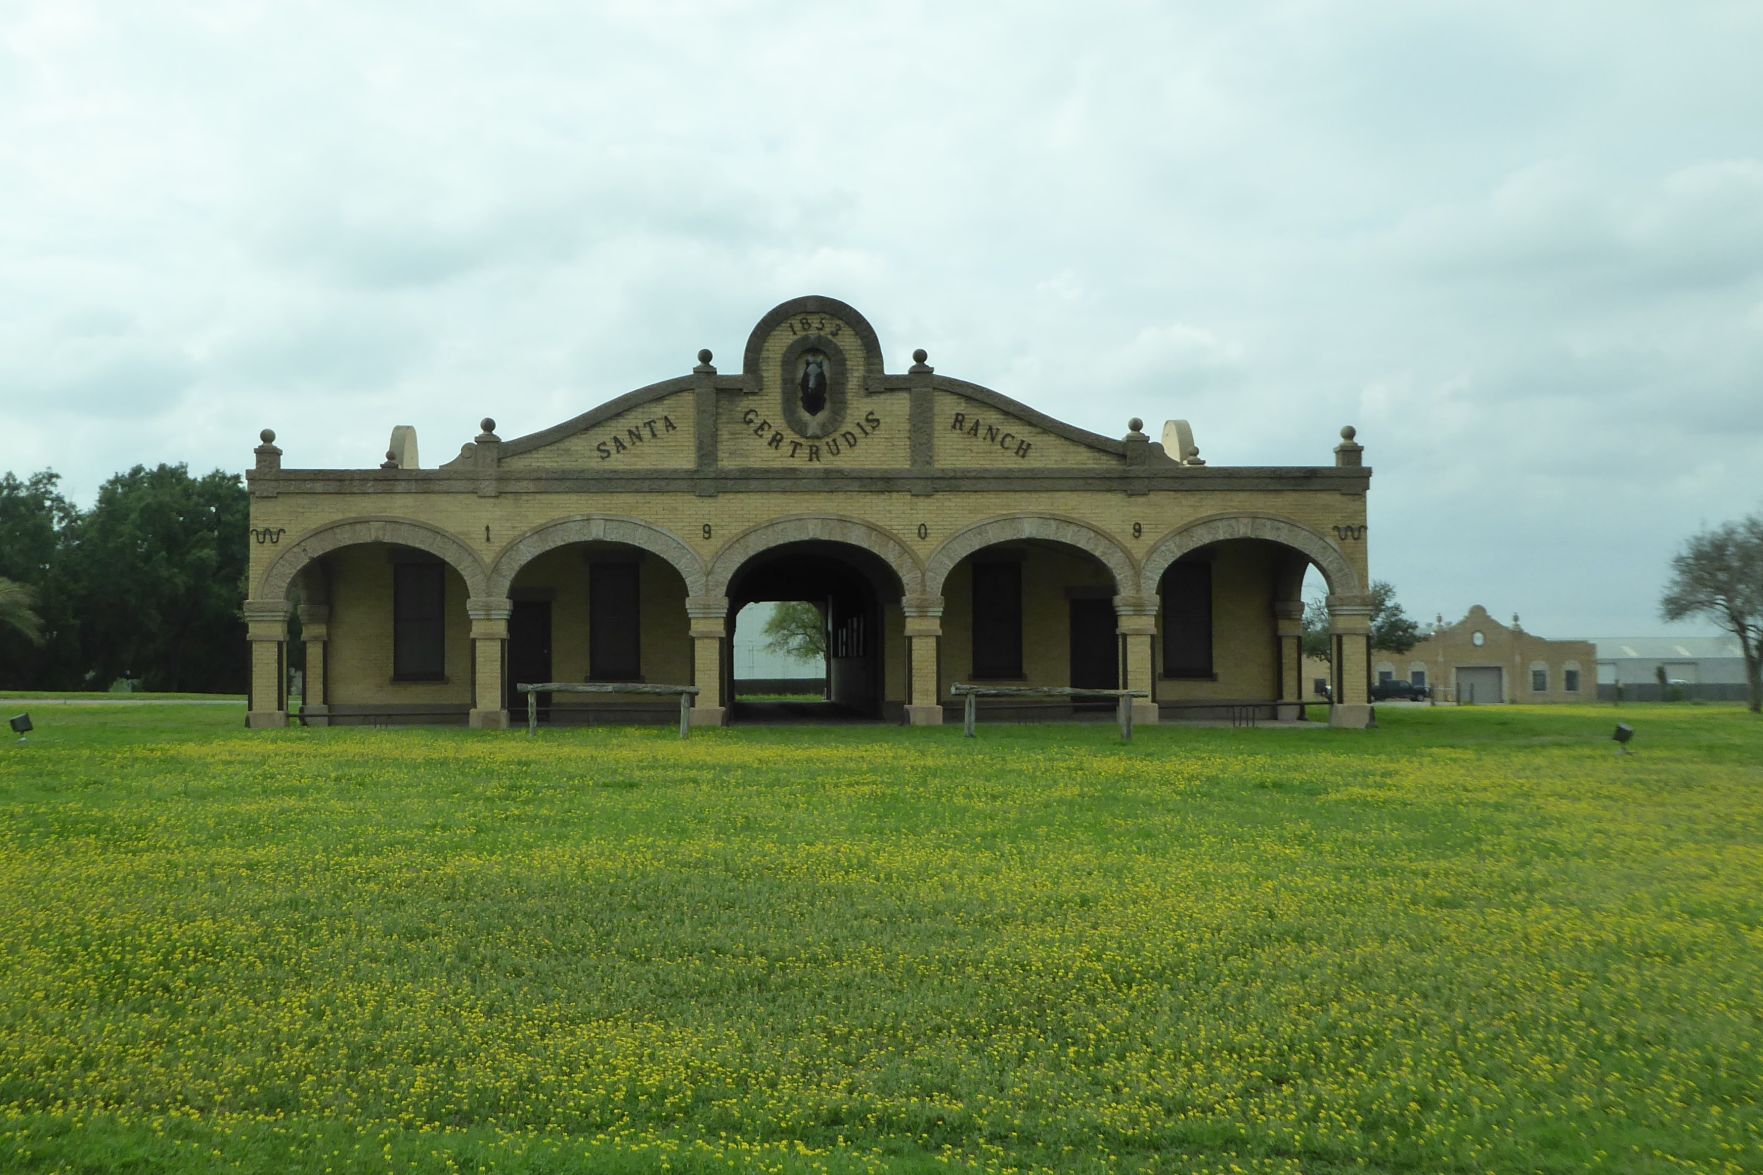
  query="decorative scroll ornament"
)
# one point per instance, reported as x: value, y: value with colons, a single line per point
x: 1349, y: 532
x: 267, y: 535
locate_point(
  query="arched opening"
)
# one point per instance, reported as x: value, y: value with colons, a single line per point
x: 387, y: 638
x: 857, y: 595
x: 1229, y: 627
x: 781, y: 652
x: 597, y: 611
x: 1032, y: 612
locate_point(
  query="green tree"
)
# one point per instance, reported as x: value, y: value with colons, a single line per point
x: 797, y: 629
x: 157, y: 567
x: 35, y: 522
x: 17, y: 613
x: 1392, y: 630
x: 1719, y: 574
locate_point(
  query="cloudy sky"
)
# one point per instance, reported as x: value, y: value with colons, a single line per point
x: 1519, y: 245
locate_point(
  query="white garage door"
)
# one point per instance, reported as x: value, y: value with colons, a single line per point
x: 1479, y: 685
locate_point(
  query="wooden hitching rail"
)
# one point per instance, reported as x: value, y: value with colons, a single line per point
x: 532, y: 691
x: 1123, y: 707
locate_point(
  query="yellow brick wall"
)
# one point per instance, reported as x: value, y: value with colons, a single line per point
x: 665, y: 642
x: 1001, y: 439
x: 752, y: 432
x: 831, y: 326
x: 1245, y: 654
x: 1047, y: 572
x: 360, y: 648
x: 510, y: 516
x: 657, y: 435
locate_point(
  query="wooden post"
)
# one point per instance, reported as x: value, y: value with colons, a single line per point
x: 1125, y: 708
x: 685, y: 715
x: 532, y: 711
x: 967, y: 729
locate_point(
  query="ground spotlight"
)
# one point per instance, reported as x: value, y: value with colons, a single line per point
x: 21, y: 725
x: 1624, y: 732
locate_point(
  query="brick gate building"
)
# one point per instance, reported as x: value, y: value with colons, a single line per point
x: 947, y: 533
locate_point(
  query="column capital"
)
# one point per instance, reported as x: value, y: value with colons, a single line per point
x: 489, y: 607
x: 1289, y: 609
x: 923, y: 626
x: 313, y: 613
x: 707, y: 608
x: 922, y: 605
x: 261, y: 610
x: 1135, y: 605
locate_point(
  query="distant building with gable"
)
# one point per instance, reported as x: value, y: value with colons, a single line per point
x: 1480, y: 660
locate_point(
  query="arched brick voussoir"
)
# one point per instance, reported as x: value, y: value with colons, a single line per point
x: 597, y: 529
x: 1031, y: 526
x: 354, y: 531
x: 1326, y: 555
x: 817, y: 528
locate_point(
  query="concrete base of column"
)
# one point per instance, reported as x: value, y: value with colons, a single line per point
x: 924, y: 715
x: 488, y: 720
x: 1349, y: 716
x: 315, y: 715
x: 266, y: 719
x: 1145, y: 712
x: 709, y: 715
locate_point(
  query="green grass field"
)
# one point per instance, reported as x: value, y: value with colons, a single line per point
x: 1471, y: 940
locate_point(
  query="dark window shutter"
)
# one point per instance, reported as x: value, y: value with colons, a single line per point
x: 614, y: 622
x: 1187, y: 620
x: 419, y: 621
x: 997, y: 620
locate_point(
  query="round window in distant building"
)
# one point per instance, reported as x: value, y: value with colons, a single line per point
x: 1478, y: 639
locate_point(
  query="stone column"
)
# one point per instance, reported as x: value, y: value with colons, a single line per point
x: 1135, y: 620
x: 709, y: 626
x: 924, y: 632
x: 266, y: 628
x: 1349, y: 634
x: 1288, y: 622
x: 315, y: 626
x: 489, y: 656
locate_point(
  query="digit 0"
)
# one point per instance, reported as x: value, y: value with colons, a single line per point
x: 923, y: 531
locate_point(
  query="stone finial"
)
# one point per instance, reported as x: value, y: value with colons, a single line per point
x: 269, y: 458
x: 1135, y: 445
x: 391, y: 461
x: 1192, y: 456
x: 488, y: 436
x: 1515, y: 623
x: 1349, y: 452
x: 919, y: 366
x: 704, y: 358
